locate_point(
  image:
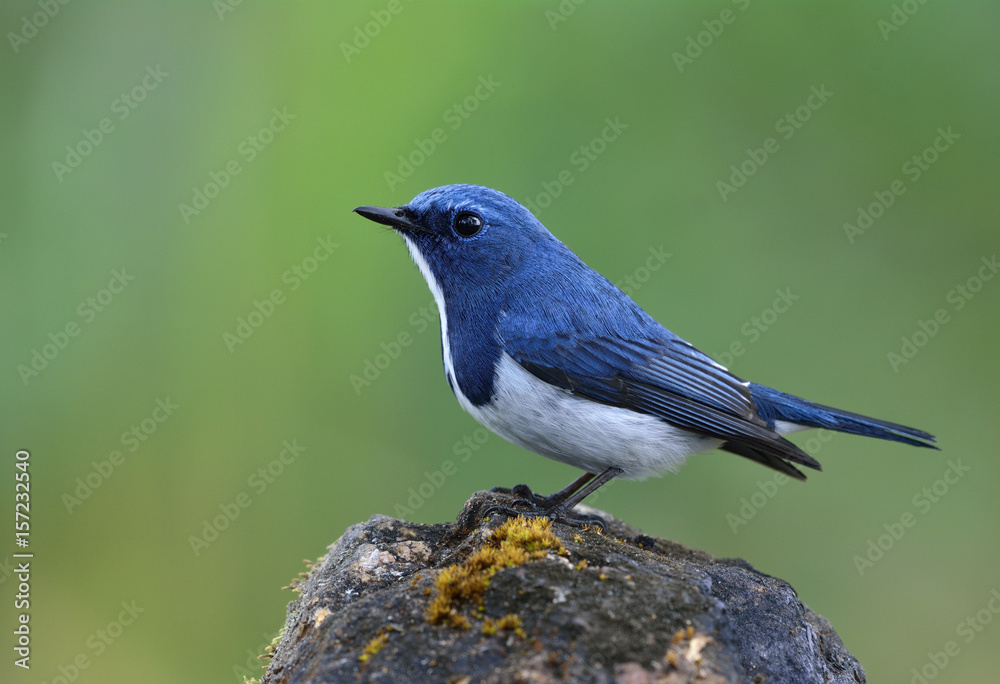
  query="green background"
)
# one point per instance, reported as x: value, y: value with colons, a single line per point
x: 222, y: 73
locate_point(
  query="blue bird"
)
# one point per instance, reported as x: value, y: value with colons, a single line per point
x: 550, y: 355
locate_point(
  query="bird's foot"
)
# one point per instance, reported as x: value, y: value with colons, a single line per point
x: 558, y: 507
x: 526, y: 496
x: 558, y: 514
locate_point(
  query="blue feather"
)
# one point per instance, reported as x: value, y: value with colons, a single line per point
x: 774, y: 405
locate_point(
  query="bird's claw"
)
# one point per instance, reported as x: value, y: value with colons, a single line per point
x: 510, y: 512
x: 523, y: 493
x: 555, y: 514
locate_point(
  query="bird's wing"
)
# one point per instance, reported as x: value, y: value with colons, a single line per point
x: 657, y: 374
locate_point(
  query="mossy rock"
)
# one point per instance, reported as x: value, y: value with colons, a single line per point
x: 509, y: 600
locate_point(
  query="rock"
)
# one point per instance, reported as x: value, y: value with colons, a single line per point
x: 517, y: 600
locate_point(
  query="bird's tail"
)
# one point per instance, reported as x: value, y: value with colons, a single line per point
x: 774, y: 405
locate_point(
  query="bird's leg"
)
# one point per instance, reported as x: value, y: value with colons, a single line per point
x: 559, y: 506
x: 523, y: 492
x: 590, y: 488
x: 528, y: 498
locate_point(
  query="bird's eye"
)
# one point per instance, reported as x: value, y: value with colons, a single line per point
x: 468, y: 224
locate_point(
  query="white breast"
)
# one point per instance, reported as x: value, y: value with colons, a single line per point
x: 435, y: 288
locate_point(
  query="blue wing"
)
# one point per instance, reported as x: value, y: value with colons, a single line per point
x: 630, y: 361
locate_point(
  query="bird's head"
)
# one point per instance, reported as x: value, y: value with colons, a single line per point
x: 468, y: 237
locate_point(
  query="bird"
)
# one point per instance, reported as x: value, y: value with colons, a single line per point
x: 552, y: 356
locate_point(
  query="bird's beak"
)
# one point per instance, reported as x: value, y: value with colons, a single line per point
x: 398, y: 218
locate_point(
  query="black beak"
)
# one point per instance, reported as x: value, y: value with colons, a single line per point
x: 398, y: 218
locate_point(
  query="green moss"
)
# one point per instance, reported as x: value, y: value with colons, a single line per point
x: 268, y: 653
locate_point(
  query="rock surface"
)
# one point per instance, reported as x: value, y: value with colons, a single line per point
x: 556, y: 605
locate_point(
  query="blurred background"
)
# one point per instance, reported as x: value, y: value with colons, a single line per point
x: 216, y: 367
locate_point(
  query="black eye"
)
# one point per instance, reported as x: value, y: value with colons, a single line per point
x: 468, y: 224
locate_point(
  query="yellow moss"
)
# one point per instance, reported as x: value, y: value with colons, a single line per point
x: 517, y: 541
x: 510, y: 622
x: 582, y: 564
x: 377, y: 643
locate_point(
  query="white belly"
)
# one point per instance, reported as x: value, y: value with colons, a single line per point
x: 583, y: 433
